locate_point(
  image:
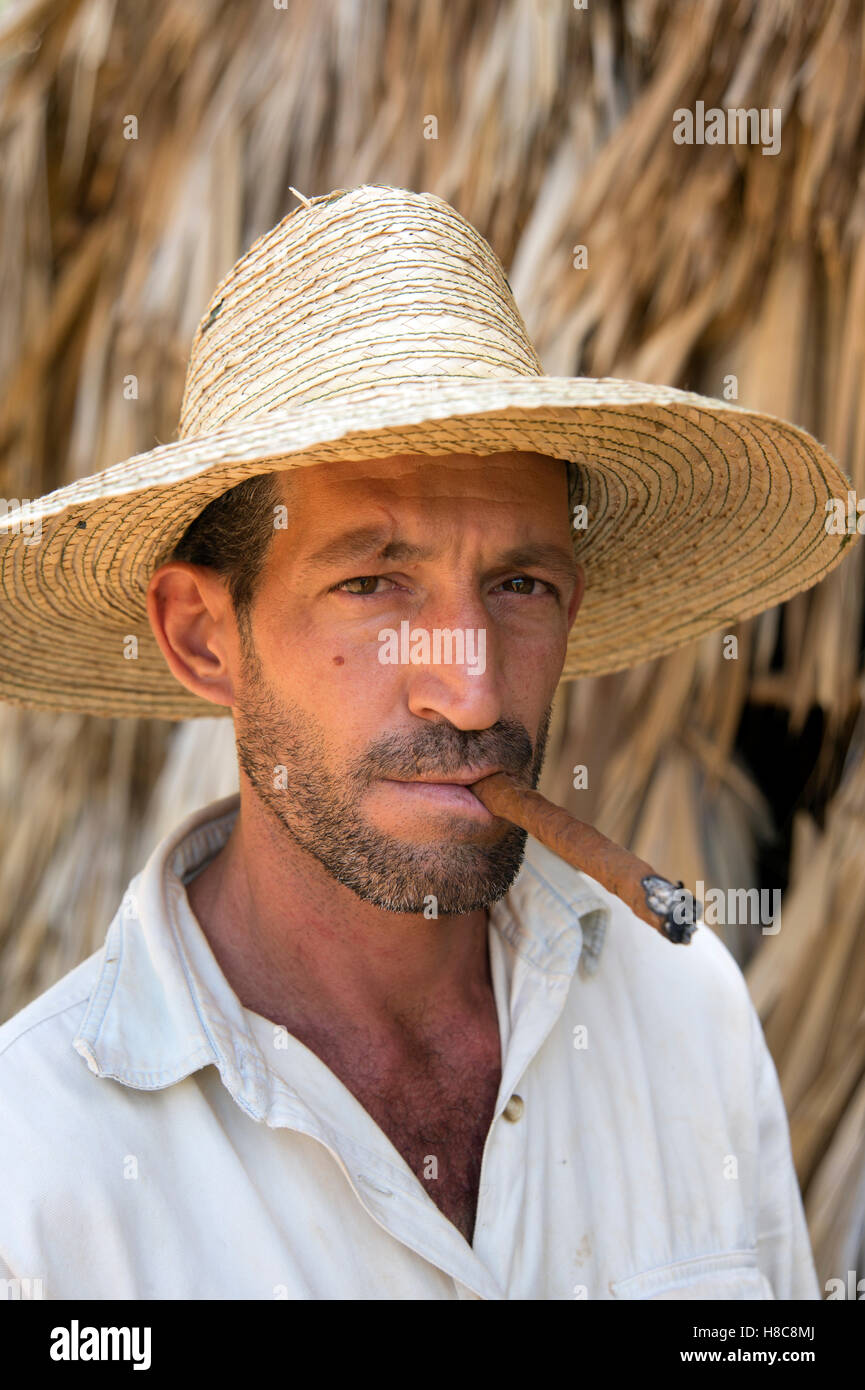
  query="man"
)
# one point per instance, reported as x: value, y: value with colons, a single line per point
x: 343, y: 1040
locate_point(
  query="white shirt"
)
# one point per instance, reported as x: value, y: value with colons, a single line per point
x: 154, y: 1143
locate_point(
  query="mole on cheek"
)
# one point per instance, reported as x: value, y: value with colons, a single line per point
x: 339, y: 661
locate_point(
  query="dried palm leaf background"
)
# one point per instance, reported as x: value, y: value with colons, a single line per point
x: 554, y: 129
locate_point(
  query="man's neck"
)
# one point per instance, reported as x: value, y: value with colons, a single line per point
x: 298, y: 947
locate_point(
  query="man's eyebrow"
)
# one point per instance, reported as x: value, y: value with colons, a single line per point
x: 364, y: 543
x: 550, y: 556
x: 371, y: 543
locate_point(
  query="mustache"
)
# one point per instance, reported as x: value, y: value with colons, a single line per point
x: 445, y: 750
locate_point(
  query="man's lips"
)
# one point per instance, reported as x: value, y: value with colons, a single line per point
x: 448, y: 792
x: 457, y: 779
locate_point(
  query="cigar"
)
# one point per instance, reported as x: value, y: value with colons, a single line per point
x: 666, y: 906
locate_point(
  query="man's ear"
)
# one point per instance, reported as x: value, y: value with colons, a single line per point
x: 577, y: 596
x: 190, y: 613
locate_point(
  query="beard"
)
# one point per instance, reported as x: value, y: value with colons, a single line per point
x: 281, y: 750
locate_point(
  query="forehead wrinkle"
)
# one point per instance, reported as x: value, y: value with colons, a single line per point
x: 378, y: 541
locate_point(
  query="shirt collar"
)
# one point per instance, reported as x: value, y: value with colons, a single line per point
x: 161, y: 1008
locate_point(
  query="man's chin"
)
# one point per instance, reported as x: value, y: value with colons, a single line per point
x: 426, y: 861
x: 453, y: 881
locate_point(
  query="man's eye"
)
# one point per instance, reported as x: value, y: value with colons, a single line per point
x: 524, y: 585
x: 367, y: 583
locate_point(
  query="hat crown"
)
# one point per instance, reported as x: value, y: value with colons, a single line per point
x: 363, y: 290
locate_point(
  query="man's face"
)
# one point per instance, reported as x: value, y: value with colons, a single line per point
x: 335, y: 727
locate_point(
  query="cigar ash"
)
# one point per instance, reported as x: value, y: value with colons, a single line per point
x: 674, y: 904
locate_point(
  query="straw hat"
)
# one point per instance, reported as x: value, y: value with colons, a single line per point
x: 377, y: 321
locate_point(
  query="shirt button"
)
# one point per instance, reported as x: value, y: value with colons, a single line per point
x: 514, y: 1109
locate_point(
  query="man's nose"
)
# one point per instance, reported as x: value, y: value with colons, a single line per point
x: 455, y: 671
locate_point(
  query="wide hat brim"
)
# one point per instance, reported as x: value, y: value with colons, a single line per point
x: 699, y: 514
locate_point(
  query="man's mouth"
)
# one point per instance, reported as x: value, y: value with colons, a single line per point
x: 447, y: 791
x: 457, y: 779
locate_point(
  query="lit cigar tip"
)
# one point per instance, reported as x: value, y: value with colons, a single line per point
x: 675, y: 905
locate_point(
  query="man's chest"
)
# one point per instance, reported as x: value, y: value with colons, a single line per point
x: 438, y: 1118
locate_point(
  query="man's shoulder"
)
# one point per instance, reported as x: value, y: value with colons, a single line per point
x: 630, y: 958
x: 40, y: 1035
x: 694, y: 993
x: 705, y: 960
x: 53, y: 1108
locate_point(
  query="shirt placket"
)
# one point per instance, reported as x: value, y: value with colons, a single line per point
x: 388, y: 1191
x: 537, y: 1000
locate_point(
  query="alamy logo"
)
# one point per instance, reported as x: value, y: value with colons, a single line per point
x: 741, y: 907
x: 17, y: 1290
x: 26, y: 521
x: 447, y: 646
x: 853, y: 1289
x: 75, y: 1343
x: 845, y: 516
x: 738, y: 125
